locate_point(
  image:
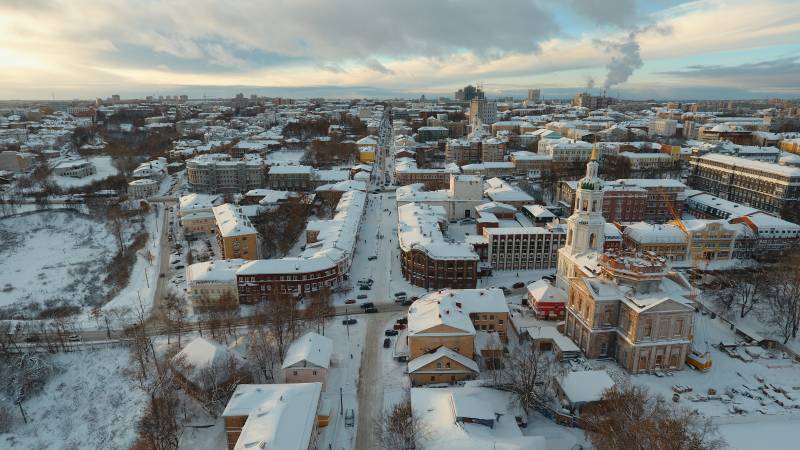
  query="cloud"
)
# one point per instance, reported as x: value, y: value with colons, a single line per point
x: 621, y: 13
x: 332, y: 68
x: 780, y: 73
x: 376, y: 65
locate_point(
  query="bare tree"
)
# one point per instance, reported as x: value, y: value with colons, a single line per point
x: 319, y: 309
x: 282, y: 313
x: 399, y: 428
x: 175, y: 309
x: 784, y: 299
x: 526, y: 372
x: 262, y: 352
x: 630, y: 418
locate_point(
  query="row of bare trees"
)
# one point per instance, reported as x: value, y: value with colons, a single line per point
x: 772, y: 290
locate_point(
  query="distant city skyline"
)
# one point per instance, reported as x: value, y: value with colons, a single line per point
x: 664, y: 49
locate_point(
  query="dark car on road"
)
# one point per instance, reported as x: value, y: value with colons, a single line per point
x: 366, y: 305
x: 371, y: 310
x: 364, y: 287
x: 518, y: 284
x: 372, y: 258
x: 390, y: 333
x: 350, y: 321
x: 362, y: 297
x: 387, y: 343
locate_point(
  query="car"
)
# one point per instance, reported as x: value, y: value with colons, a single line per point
x: 372, y: 258
x: 349, y: 301
x: 364, y: 287
x: 399, y: 326
x: 179, y: 267
x: 371, y: 310
x: 400, y: 294
x: 387, y: 343
x: 162, y: 275
x: 407, y: 302
x: 403, y: 320
x: 362, y: 297
x: 350, y: 321
x: 366, y: 281
x: 74, y: 338
x: 349, y: 418
x: 390, y: 333
x: 366, y: 305
x: 518, y: 284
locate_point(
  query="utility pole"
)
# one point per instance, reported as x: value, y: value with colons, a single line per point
x: 341, y: 402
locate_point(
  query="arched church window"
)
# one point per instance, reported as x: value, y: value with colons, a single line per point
x: 591, y: 240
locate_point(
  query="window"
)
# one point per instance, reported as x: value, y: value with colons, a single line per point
x: 648, y: 328
x: 678, y: 327
x: 294, y: 372
x: 603, y: 348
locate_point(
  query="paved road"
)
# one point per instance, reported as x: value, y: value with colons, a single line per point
x: 370, y: 389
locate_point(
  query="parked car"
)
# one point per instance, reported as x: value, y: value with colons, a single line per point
x: 366, y: 305
x: 362, y: 297
x: 349, y: 301
x: 387, y: 343
x: 350, y: 321
x: 400, y: 294
x: 372, y: 258
x: 349, y: 418
x: 518, y: 284
x: 74, y: 338
x: 390, y: 333
x: 403, y: 320
x: 399, y: 326
x: 371, y: 310
x: 364, y: 287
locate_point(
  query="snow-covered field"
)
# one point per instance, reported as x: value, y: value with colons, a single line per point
x: 53, y: 256
x: 758, y: 410
x: 89, y: 404
x: 104, y: 169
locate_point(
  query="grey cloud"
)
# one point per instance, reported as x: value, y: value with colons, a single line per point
x: 376, y: 65
x: 621, y: 13
x: 780, y: 73
x: 331, y: 67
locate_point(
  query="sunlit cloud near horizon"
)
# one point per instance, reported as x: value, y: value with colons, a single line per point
x: 352, y: 48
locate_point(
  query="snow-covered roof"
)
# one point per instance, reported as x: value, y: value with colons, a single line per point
x: 216, y: 271
x: 586, y: 386
x: 445, y: 413
x: 311, y: 349
x: 231, y: 221
x: 280, y: 416
x: 646, y: 233
x: 452, y: 307
x: 196, y: 201
x: 776, y: 169
x: 500, y: 191
x: 539, y: 211
x: 336, y: 240
x: 442, y: 352
x: 369, y: 140
x: 201, y: 355
x: 418, y: 228
x: 544, y: 291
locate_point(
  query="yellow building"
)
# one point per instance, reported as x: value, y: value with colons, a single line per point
x: 367, y: 147
x: 711, y: 240
x: 665, y: 240
x: 236, y: 235
x: 442, y: 330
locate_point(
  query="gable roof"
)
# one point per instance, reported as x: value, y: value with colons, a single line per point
x: 312, y: 349
x: 441, y: 352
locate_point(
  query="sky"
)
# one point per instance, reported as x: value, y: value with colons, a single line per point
x: 662, y: 49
